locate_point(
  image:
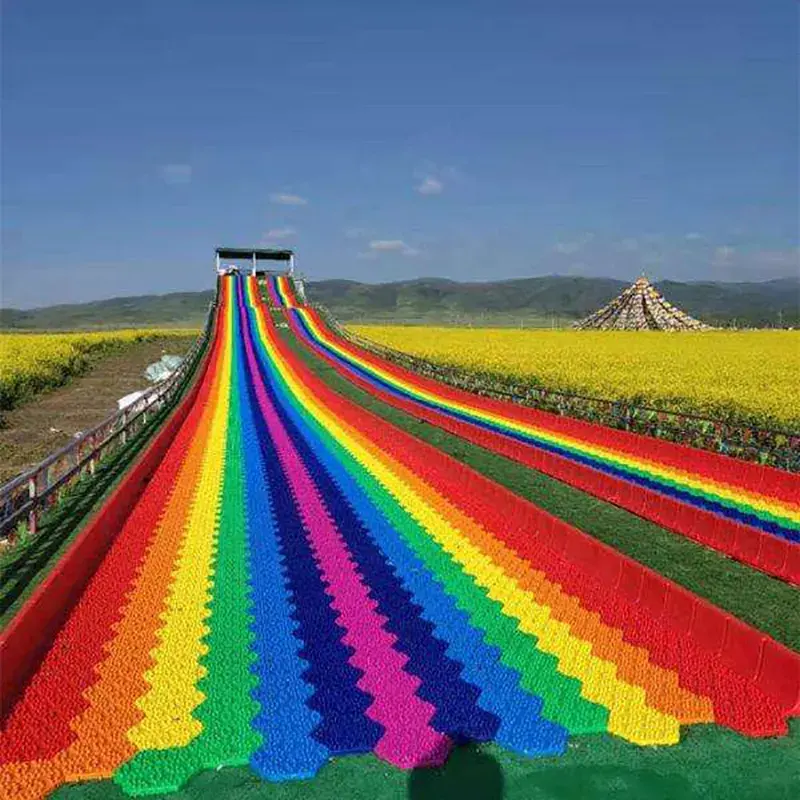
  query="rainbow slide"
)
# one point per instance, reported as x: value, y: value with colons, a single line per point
x: 747, y: 511
x: 296, y: 579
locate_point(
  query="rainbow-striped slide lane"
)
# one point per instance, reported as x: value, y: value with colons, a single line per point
x: 747, y: 511
x: 298, y: 579
x: 281, y: 292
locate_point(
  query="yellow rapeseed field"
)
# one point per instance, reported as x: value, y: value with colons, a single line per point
x: 31, y: 362
x: 751, y: 375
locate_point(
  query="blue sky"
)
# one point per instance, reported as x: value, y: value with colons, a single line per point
x: 470, y: 139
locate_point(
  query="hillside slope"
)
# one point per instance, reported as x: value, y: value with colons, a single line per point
x: 176, y: 309
x: 437, y: 299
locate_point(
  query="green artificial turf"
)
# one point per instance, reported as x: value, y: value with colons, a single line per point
x: 765, y: 602
x: 710, y: 764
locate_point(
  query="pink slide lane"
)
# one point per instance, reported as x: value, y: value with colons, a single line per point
x: 409, y: 740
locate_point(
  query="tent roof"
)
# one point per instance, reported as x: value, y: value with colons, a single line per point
x: 640, y: 307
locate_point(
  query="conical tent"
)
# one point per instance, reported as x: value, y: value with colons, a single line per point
x: 640, y: 307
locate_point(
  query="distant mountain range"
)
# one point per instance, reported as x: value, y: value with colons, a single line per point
x: 547, y: 300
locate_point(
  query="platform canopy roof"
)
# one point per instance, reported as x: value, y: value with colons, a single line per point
x: 254, y: 252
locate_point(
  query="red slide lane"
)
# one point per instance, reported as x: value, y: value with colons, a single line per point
x: 622, y: 591
x: 770, y: 554
x: 31, y: 632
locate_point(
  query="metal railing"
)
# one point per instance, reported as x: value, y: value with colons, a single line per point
x: 24, y: 498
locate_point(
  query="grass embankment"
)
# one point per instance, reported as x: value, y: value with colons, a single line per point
x: 747, y: 377
x: 767, y: 603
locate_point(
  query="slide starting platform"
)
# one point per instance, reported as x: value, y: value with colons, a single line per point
x: 283, y: 288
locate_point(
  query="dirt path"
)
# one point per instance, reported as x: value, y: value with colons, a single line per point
x: 49, y: 421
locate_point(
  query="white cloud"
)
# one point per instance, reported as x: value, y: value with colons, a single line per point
x: 693, y: 237
x: 279, y: 233
x: 432, y: 178
x: 378, y: 246
x: 723, y: 254
x: 176, y: 174
x: 567, y: 248
x: 572, y: 247
x: 288, y: 199
x: 430, y: 185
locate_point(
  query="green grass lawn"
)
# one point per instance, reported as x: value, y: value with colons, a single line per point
x: 710, y: 764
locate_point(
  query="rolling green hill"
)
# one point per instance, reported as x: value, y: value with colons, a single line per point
x: 546, y: 300
x: 557, y: 298
x: 180, y: 309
